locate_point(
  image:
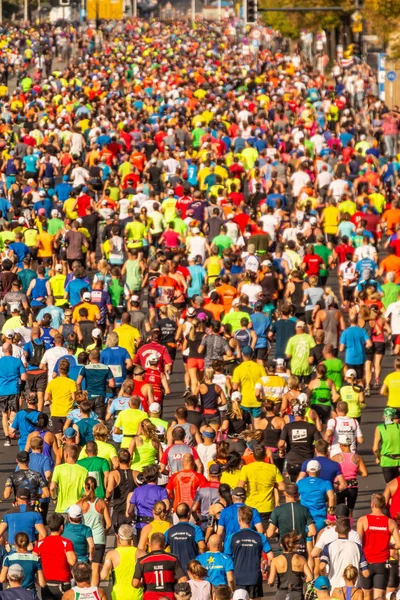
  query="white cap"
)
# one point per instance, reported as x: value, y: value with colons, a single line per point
x: 195, y: 230
x: 280, y: 362
x: 21, y: 221
x: 135, y: 298
x: 75, y: 511
x: 87, y: 297
x: 351, y: 373
x: 230, y: 216
x: 54, y: 212
x: 266, y: 263
x: 155, y: 407
x: 192, y: 257
x: 14, y: 307
x: 236, y: 302
x: 236, y: 396
x: 302, y: 398
x: 59, y: 267
x: 191, y: 311
x: 300, y: 325
x: 240, y: 595
x: 42, y: 193
x: 97, y: 333
x: 313, y: 465
x: 153, y: 358
x: 9, y: 334
x: 345, y: 439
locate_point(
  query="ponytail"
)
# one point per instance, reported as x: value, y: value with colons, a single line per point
x: 90, y: 489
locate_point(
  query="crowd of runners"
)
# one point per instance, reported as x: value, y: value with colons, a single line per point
x: 172, y: 201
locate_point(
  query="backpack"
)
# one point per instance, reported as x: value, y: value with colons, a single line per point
x: 37, y: 354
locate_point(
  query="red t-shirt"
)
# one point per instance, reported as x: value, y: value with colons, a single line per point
x: 184, y: 485
x: 313, y: 263
x: 144, y: 352
x: 183, y: 204
x: 342, y: 250
x: 171, y: 239
x: 83, y: 203
x: 53, y: 555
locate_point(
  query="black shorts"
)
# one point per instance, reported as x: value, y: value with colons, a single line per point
x: 261, y: 353
x: 265, y: 519
x: 332, y: 238
x: 348, y: 293
x: 323, y: 411
x: 119, y: 519
x: 308, y: 317
x: 9, y: 403
x: 57, y: 424
x: 99, y: 550
x: 99, y: 406
x: 36, y: 380
x: 359, y: 369
x: 379, y: 348
x: 378, y: 577
x: 255, y: 591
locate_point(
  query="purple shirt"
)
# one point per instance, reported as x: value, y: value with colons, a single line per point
x: 144, y: 498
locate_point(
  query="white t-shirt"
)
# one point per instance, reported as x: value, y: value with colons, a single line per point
x: 299, y: 180
x: 50, y: 357
x: 340, y: 554
x: 269, y: 224
x: 338, y: 187
x: 368, y: 251
x: 206, y: 455
x: 343, y: 426
x: 393, y: 314
x: 347, y: 271
x: 197, y: 245
x: 329, y: 535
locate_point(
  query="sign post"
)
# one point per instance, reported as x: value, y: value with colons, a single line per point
x: 391, y: 77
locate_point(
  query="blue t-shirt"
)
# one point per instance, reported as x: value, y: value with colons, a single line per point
x: 313, y: 491
x: 20, y: 250
x: 96, y: 376
x: 78, y: 533
x: 260, y: 324
x: 246, y: 547
x: 22, y: 518
x: 354, y: 339
x: 72, y: 363
x: 73, y: 290
x: 118, y: 404
x: 329, y: 468
x: 229, y: 519
x: 30, y: 564
x: 56, y: 313
x: 198, y: 275
x: 63, y: 191
x: 218, y: 565
x: 182, y: 539
x: 11, y: 369
x: 116, y: 358
x: 30, y: 161
x: 25, y: 422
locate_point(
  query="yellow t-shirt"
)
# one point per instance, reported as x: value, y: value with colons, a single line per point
x: 247, y: 375
x: 331, y: 219
x: 62, y: 401
x: 231, y: 479
x: 129, y: 420
x: 127, y: 336
x: 260, y: 479
x: 104, y: 450
x: 68, y: 209
x: 392, y: 381
x: 93, y: 312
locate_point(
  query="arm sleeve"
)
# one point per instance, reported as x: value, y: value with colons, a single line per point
x: 325, y: 554
x: 198, y: 536
x: 256, y: 517
x: 265, y: 544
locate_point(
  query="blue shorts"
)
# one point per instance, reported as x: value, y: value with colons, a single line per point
x: 254, y: 411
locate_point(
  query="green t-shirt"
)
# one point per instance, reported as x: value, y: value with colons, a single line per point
x: 55, y: 225
x: 25, y: 276
x: 198, y: 133
x: 116, y: 291
x: 70, y: 480
x: 298, y: 348
x: 390, y: 437
x: 179, y: 226
x: 159, y: 422
x: 391, y: 291
x: 291, y: 516
x: 223, y: 242
x: 96, y: 468
x: 324, y: 253
x: 233, y: 318
x: 78, y: 534
x: 334, y: 371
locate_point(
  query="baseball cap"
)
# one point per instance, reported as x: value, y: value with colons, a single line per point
x: 236, y: 396
x: 75, y: 511
x: 342, y: 510
x: 239, y: 492
x: 191, y: 312
x: 313, y: 465
x: 195, y: 230
x: 266, y: 263
x: 135, y: 298
x: 42, y: 193
x: 16, y: 570
x: 155, y: 407
x: 350, y: 373
x: 247, y: 351
x: 240, y: 595
x: 59, y: 267
x: 322, y: 583
x: 298, y: 410
x: 280, y: 362
x: 23, y: 493
x: 236, y: 302
x: 300, y: 325
x: 23, y: 456
x: 259, y: 306
x: 215, y: 469
x: 345, y: 440
x: 183, y: 589
x: 21, y: 221
x: 70, y: 433
x: 97, y: 333
x: 54, y: 212
x: 9, y: 333
x: 389, y: 414
x: 161, y: 431
x: 87, y: 296
x: 42, y: 212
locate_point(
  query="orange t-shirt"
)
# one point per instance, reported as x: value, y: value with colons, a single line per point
x: 45, y: 245
x: 215, y: 309
x: 391, y: 217
x: 227, y: 293
x: 391, y: 263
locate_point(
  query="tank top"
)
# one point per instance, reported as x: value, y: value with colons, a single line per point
x: 39, y: 292
x: 57, y: 288
x: 67, y: 329
x: 46, y: 447
x: 189, y: 439
x: 243, y: 336
x: 137, y: 391
x: 350, y: 395
x: 330, y: 327
x: 158, y: 527
x: 121, y: 492
x: 271, y: 435
x: 153, y: 376
x: 348, y: 466
x: 11, y: 168
x: 93, y: 519
x: 46, y: 337
x: 394, y: 508
x: 145, y: 455
x: 86, y: 328
x: 123, y: 575
x: 213, y: 268
x: 86, y: 593
x: 376, y: 539
x: 209, y: 400
x: 321, y: 394
x: 133, y: 275
x: 297, y: 297
x: 390, y: 449
x: 290, y: 579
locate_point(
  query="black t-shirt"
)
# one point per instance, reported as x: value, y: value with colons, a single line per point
x: 283, y: 329
x: 317, y: 353
x: 299, y: 437
x: 90, y: 222
x: 29, y: 479
x: 168, y: 329
x: 195, y: 418
x: 246, y: 547
x: 237, y: 426
x: 159, y: 571
x: 182, y: 542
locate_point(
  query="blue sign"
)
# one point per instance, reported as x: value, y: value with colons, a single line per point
x: 255, y: 43
x: 391, y: 75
